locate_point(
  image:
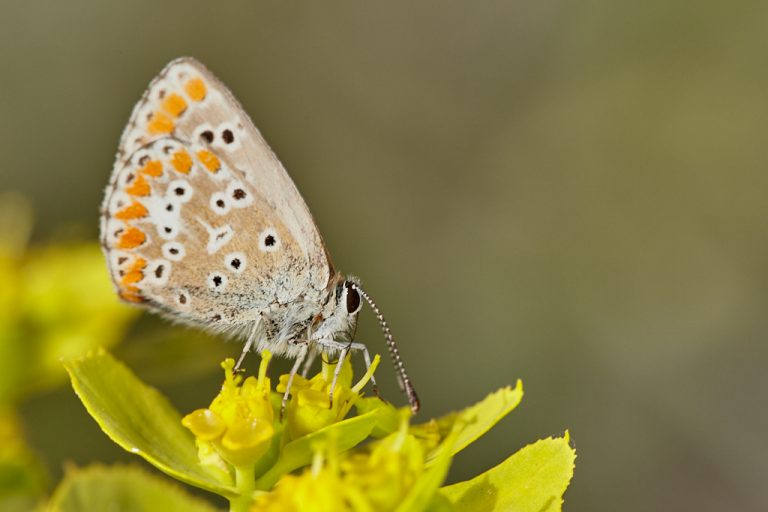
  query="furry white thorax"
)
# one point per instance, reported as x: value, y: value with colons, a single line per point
x: 285, y: 329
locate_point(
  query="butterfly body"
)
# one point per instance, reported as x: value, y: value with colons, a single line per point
x: 202, y: 223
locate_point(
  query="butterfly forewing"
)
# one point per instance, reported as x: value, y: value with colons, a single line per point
x: 200, y: 219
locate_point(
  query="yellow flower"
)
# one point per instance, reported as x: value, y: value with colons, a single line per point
x: 239, y: 421
x: 311, y: 492
x: 377, y: 479
x: 310, y: 408
x: 387, y: 472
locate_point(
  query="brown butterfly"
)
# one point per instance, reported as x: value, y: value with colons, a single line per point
x: 202, y: 223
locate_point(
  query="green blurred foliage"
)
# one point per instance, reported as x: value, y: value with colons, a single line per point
x: 56, y: 303
x: 121, y: 488
x: 23, y: 477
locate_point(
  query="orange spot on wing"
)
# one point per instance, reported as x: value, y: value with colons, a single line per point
x: 209, y: 160
x: 175, y: 105
x: 131, y: 294
x: 135, y: 272
x: 181, y: 161
x: 135, y: 210
x: 131, y: 238
x: 139, y: 187
x: 196, y: 89
x: 160, y: 123
x: 153, y: 168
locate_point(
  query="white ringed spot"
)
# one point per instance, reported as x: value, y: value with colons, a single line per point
x: 239, y: 195
x: 219, y: 203
x: 183, y: 298
x: 268, y: 240
x: 228, y: 136
x: 174, y: 251
x: 235, y: 262
x: 118, y: 201
x: 179, y: 191
x: 204, y: 134
x: 167, y: 231
x: 158, y: 272
x: 217, y: 281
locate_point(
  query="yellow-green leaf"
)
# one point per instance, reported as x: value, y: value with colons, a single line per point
x: 474, y: 421
x: 341, y: 436
x: 423, y: 491
x: 123, y: 488
x: 140, y: 419
x: 531, y: 480
x: 388, y: 419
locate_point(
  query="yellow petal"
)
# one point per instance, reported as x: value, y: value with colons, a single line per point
x: 204, y: 423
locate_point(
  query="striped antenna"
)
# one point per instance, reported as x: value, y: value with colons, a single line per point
x: 402, y: 377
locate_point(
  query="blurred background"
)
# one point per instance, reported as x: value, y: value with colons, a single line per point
x: 569, y: 193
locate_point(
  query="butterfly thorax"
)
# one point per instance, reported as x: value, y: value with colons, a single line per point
x: 283, y: 329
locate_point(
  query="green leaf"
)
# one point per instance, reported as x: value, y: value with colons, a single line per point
x: 388, y: 419
x: 121, y: 488
x: 474, y: 421
x: 299, y: 452
x: 423, y: 491
x: 140, y: 419
x: 531, y: 480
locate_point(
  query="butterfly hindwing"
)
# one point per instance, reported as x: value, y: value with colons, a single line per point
x: 201, y: 219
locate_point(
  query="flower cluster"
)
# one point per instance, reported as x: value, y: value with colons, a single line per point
x: 314, y: 457
x: 238, y: 425
x: 378, y: 477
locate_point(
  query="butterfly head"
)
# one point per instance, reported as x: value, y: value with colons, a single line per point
x: 349, y: 300
x: 341, y: 311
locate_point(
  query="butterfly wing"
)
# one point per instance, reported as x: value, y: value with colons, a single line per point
x: 201, y: 220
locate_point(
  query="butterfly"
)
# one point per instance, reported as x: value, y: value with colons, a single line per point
x: 201, y: 223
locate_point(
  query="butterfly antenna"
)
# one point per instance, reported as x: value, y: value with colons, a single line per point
x: 402, y: 377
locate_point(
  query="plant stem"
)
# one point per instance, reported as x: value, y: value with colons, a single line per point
x: 245, y: 481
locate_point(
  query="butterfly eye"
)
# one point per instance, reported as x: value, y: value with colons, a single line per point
x: 352, y: 299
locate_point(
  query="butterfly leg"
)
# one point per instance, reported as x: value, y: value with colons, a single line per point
x: 354, y: 346
x: 311, y: 356
x: 294, y: 370
x: 336, y: 373
x: 247, y: 347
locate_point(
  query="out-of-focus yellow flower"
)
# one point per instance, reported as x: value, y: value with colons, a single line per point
x: 313, y: 491
x: 389, y: 470
x: 239, y: 422
x: 377, y: 479
x: 310, y: 408
x: 55, y: 302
